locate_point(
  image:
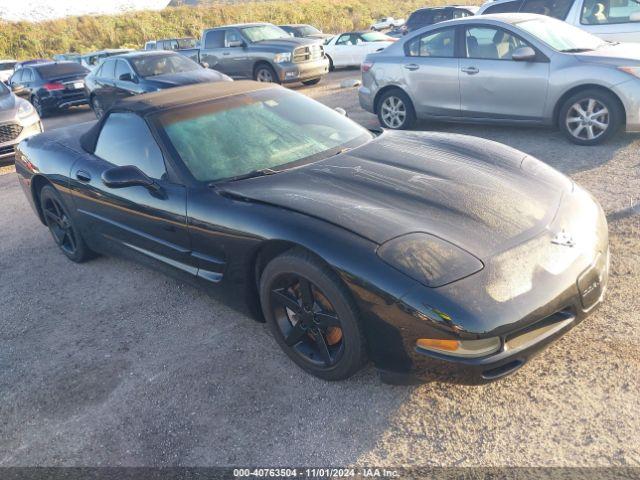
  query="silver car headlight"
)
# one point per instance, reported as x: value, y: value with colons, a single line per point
x: 428, y: 259
x: 25, y: 109
x: 282, y: 57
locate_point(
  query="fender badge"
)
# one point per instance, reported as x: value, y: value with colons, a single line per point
x: 563, y: 239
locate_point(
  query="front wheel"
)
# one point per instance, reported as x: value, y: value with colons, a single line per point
x: 395, y: 111
x: 62, y: 228
x: 265, y: 73
x: 312, y: 316
x: 590, y: 117
x: 315, y: 81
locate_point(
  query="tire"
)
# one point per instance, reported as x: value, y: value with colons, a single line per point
x: 61, y: 226
x: 582, y: 115
x: 96, y: 106
x: 42, y: 112
x: 399, y: 102
x: 305, y: 334
x: 315, y: 81
x: 331, y: 66
x: 265, y: 73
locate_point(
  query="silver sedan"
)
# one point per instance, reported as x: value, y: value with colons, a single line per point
x: 507, y: 68
x: 18, y: 120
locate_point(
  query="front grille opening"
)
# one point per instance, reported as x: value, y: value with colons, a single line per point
x: 305, y: 54
x: 9, y: 132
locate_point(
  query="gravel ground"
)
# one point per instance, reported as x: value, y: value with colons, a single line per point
x: 109, y: 363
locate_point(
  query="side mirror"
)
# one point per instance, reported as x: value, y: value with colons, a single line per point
x: 341, y: 111
x: 18, y: 90
x: 127, y: 77
x: 235, y: 43
x: 524, y: 54
x: 204, y: 64
x: 126, y: 176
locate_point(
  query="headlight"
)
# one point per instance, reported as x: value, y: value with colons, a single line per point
x: 428, y: 259
x: 635, y: 71
x: 282, y: 57
x: 25, y: 109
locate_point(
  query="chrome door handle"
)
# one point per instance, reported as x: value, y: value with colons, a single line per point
x: 471, y: 70
x: 412, y: 67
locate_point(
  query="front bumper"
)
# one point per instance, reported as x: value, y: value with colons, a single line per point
x: 64, y: 99
x: 29, y: 126
x: 629, y: 94
x: 300, y: 72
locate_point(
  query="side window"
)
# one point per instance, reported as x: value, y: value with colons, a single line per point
x: 27, y: 76
x: 125, y: 139
x: 440, y: 16
x: 232, y: 36
x: 506, y: 7
x: 344, y: 39
x: 552, y: 8
x: 214, y: 39
x: 108, y: 69
x: 440, y: 43
x: 461, y: 14
x: 607, y: 12
x: 122, y: 68
x: 489, y: 43
x: 17, y: 77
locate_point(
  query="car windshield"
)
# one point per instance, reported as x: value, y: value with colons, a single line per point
x: 4, y: 66
x: 306, y: 30
x: 264, y: 32
x: 375, y: 37
x: 62, y: 69
x: 257, y: 131
x: 154, y: 65
x: 561, y: 36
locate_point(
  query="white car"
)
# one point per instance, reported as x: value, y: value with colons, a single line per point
x: 6, y: 70
x: 350, y: 49
x: 613, y: 20
x: 387, y: 22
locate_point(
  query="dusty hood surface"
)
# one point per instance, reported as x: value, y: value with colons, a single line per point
x: 616, y: 54
x: 472, y: 192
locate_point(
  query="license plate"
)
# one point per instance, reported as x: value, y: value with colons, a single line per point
x: 78, y: 85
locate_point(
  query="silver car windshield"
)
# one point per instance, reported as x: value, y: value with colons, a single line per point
x: 561, y: 36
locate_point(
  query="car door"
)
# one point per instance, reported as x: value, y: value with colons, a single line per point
x: 492, y: 84
x: 431, y: 70
x: 126, y: 81
x: 149, y: 221
x: 235, y: 58
x: 343, y: 54
x: 214, y: 50
x: 105, y: 84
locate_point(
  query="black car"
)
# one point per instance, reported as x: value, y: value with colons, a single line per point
x: 301, y: 30
x: 51, y: 86
x: 428, y: 253
x: 428, y: 16
x: 134, y: 73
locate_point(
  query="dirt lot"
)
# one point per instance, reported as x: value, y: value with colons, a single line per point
x: 109, y: 363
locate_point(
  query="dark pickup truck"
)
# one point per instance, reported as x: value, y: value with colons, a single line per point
x: 261, y: 51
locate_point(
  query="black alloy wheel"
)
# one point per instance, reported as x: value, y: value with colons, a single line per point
x: 312, y: 316
x: 61, y: 226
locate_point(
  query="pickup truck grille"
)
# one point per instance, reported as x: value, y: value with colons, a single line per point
x: 9, y: 132
x: 308, y: 53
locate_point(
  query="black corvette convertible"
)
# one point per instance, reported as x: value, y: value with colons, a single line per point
x: 431, y: 254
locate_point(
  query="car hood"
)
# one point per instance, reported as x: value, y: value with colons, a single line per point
x: 186, y: 78
x: 8, y: 107
x: 614, y: 54
x: 477, y: 194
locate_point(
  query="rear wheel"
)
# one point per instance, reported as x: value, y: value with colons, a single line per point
x: 97, y: 107
x: 590, y: 117
x: 265, y: 73
x: 395, y: 110
x: 62, y: 228
x: 315, y: 81
x: 312, y: 316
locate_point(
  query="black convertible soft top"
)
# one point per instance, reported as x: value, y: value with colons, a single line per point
x: 170, y: 98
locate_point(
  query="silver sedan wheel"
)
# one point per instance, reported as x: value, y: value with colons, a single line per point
x: 264, y: 75
x: 587, y: 119
x: 393, y: 112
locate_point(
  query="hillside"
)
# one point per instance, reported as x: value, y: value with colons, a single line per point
x: 81, y: 34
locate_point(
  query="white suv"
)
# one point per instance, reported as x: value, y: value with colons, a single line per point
x: 613, y: 20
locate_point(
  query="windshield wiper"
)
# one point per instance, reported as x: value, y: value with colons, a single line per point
x: 252, y: 174
x: 576, y: 50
